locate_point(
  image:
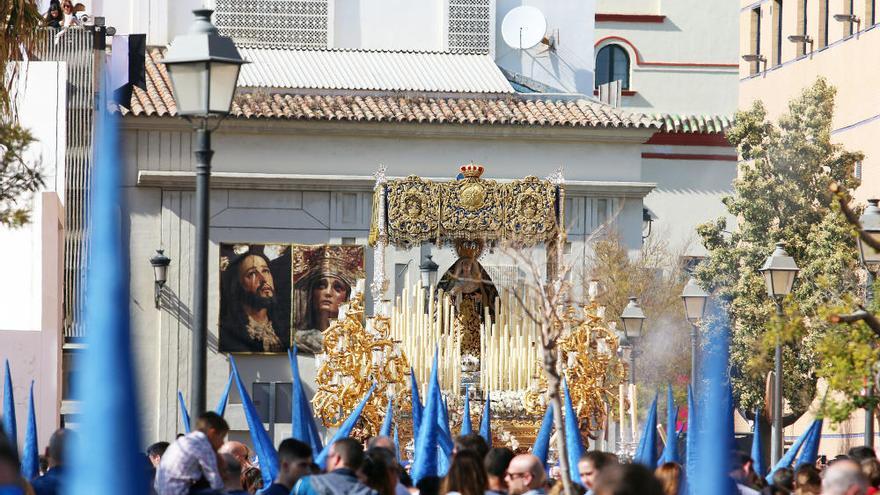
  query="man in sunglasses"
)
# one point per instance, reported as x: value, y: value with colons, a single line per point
x: 525, y: 476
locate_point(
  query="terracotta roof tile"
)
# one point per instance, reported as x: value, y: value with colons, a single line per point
x: 462, y: 108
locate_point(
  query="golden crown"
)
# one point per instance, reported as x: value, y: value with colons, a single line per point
x: 472, y: 170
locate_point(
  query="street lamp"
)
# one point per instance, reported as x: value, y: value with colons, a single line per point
x: 870, y: 259
x: 160, y: 264
x: 694, y: 298
x: 633, y: 319
x: 428, y: 274
x: 779, y: 272
x: 203, y: 67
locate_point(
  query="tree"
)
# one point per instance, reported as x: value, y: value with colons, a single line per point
x: 782, y: 194
x: 656, y: 276
x: 17, y: 177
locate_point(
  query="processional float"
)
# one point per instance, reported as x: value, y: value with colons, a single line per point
x: 480, y: 329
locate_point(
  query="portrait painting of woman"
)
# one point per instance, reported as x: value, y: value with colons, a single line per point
x: 323, y: 278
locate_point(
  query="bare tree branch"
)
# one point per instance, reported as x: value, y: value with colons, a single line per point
x: 843, y: 200
x: 860, y: 315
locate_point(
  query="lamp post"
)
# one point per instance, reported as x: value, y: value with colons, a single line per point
x: 633, y: 319
x: 694, y: 298
x: 870, y: 259
x: 428, y: 274
x: 160, y: 264
x: 203, y: 67
x: 779, y: 272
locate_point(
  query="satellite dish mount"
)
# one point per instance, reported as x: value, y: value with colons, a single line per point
x: 523, y: 28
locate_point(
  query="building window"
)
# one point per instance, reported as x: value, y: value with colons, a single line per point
x: 823, y: 19
x: 612, y: 64
x: 849, y: 9
x: 803, y: 6
x: 857, y: 170
x: 777, y: 32
x: 755, y: 32
x: 870, y: 12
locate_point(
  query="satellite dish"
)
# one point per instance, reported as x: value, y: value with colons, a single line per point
x: 523, y: 27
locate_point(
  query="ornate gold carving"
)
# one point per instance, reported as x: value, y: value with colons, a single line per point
x: 355, y: 358
x: 524, y: 211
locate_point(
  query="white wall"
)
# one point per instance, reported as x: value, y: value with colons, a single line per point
x: 30, y: 305
x: 389, y: 24
x: 569, y: 68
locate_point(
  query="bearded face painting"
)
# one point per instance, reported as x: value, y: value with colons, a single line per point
x: 323, y: 278
x: 255, y: 298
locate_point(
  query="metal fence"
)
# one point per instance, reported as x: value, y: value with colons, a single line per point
x: 75, y: 46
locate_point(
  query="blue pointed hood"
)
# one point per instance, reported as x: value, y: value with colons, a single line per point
x: 263, y: 445
x: 446, y: 443
x: 573, y: 443
x: 670, y: 452
x: 30, y: 460
x: 107, y: 452
x: 302, y: 419
x: 690, y: 442
x: 542, y: 441
x: 810, y: 450
x: 9, y: 424
x: 385, y: 431
x: 486, y: 420
x: 397, y: 447
x: 791, y: 454
x: 416, y: 403
x: 646, y: 454
x: 757, y: 454
x: 184, y: 414
x: 425, y: 456
x: 224, y: 399
x: 466, y: 426
x: 715, y: 422
x: 344, y: 431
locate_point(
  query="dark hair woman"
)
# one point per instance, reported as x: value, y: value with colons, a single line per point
x: 466, y: 475
x: 54, y: 17
x: 379, y: 471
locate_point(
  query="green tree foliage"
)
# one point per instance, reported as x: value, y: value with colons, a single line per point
x: 17, y: 177
x: 782, y: 194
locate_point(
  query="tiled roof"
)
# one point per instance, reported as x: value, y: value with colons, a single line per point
x: 374, y: 70
x: 463, y: 108
x: 693, y: 124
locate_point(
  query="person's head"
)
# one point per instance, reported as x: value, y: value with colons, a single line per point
x: 10, y: 464
x: 156, y: 451
x: 807, y: 480
x: 230, y: 472
x: 627, y: 479
x: 58, y: 444
x: 67, y: 6
x: 740, y: 466
x: 473, y: 442
x: 591, y: 463
x: 844, y: 477
x: 669, y: 475
x: 294, y: 462
x: 496, y: 463
x: 784, y: 478
x: 429, y: 485
x: 214, y: 427
x: 381, y: 441
x: 871, y: 470
x: 524, y: 473
x: 345, y: 453
x: 379, y: 470
x: 54, y: 11
x: 861, y: 453
x: 252, y: 479
x: 238, y: 450
x: 466, y: 474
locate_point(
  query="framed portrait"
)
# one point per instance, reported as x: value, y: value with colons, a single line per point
x: 323, y: 278
x: 255, y: 298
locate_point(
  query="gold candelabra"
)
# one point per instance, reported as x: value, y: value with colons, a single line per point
x: 356, y: 357
x: 589, y: 362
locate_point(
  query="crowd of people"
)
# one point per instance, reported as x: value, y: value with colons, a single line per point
x: 203, y: 462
